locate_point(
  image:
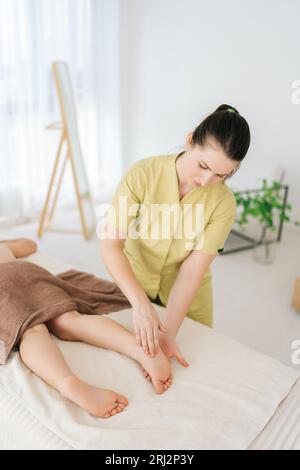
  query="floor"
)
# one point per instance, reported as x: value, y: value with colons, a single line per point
x: 252, y: 302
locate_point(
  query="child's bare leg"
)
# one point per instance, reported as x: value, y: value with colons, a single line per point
x: 20, y: 246
x: 104, y: 332
x: 6, y: 254
x: 40, y: 353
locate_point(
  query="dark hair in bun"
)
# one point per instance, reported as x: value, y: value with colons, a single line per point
x: 228, y: 128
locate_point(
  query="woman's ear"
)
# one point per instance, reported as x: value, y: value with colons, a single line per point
x: 189, y: 140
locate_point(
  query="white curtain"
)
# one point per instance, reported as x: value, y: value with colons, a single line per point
x: 33, y: 34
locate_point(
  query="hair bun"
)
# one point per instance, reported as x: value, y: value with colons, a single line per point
x: 226, y: 107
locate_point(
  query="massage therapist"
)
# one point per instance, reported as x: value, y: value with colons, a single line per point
x: 175, y: 271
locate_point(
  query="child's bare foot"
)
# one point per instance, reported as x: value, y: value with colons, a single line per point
x: 97, y: 401
x: 157, y: 369
x: 21, y: 246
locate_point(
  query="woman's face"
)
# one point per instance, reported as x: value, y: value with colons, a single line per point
x: 204, y: 165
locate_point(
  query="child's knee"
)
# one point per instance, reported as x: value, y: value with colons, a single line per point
x: 61, y: 325
x: 23, y: 247
x: 41, y: 328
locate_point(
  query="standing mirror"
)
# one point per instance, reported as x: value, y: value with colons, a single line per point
x: 69, y: 136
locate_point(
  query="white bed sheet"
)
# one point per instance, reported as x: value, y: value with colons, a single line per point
x: 282, y: 432
x: 226, y: 399
x: 20, y: 429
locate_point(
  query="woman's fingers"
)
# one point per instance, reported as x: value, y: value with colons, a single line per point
x: 156, y: 340
x: 162, y: 327
x: 138, y: 336
x: 151, y: 343
x: 144, y: 341
x: 182, y: 361
x: 147, y: 328
x: 180, y: 358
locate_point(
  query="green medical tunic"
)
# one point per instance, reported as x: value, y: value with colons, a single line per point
x: 155, y: 256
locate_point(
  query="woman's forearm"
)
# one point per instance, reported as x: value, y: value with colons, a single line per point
x: 185, y: 287
x: 119, y: 268
x: 181, y: 296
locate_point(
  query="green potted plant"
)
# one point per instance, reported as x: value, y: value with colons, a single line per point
x: 269, y: 207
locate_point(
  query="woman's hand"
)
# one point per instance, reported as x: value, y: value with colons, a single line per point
x: 171, y: 349
x: 147, y: 324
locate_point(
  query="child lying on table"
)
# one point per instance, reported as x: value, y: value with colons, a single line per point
x: 33, y: 302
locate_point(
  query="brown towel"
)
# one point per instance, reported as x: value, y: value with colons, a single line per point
x: 30, y: 295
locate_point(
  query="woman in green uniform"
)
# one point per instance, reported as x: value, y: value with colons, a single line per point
x: 177, y: 191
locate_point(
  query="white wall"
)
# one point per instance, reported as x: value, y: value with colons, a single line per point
x: 107, y: 20
x: 182, y: 58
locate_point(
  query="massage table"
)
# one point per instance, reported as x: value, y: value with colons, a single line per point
x: 230, y: 397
